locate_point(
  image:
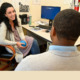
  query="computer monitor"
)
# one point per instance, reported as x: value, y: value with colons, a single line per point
x: 49, y: 12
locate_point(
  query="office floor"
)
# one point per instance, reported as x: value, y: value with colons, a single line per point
x: 10, y: 68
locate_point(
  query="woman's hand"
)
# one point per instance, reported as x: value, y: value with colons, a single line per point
x: 20, y: 45
x: 26, y: 43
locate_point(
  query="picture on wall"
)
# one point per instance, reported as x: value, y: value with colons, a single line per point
x: 23, y: 8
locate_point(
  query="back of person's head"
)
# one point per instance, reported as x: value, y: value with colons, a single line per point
x: 67, y: 24
x: 3, y: 9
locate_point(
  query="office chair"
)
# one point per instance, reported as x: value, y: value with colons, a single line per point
x: 5, y: 56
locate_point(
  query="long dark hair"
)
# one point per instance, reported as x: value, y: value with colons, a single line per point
x: 4, y: 19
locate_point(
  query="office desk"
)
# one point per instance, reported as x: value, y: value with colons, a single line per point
x: 43, y: 35
x: 40, y: 35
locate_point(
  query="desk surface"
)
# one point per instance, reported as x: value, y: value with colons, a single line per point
x: 44, y: 35
x: 40, y: 33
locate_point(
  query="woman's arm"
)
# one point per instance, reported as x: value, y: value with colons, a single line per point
x: 3, y: 40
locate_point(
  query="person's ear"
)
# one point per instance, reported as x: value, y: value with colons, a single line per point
x: 53, y: 31
x: 5, y: 15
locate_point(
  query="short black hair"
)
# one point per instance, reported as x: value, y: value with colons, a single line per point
x: 67, y: 24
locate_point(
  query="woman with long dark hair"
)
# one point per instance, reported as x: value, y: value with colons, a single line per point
x: 11, y: 32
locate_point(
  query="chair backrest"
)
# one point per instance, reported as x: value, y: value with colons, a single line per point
x: 5, y: 56
x: 3, y: 50
x: 4, y: 53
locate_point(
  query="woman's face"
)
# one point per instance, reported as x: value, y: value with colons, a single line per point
x: 10, y: 13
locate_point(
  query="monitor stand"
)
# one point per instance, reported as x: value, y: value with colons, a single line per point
x: 50, y: 23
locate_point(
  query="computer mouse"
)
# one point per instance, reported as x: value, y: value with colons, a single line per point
x: 47, y: 31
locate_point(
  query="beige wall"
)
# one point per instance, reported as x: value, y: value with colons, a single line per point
x: 35, y: 10
x: 55, y: 3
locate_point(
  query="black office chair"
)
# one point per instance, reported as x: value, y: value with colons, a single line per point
x: 5, y: 56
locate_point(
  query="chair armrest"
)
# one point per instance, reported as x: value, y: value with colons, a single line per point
x: 12, y: 49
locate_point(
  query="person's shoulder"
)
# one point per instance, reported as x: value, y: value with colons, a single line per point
x: 32, y: 62
x: 36, y: 56
x: 2, y: 24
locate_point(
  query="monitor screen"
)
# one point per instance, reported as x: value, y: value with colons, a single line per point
x: 49, y: 12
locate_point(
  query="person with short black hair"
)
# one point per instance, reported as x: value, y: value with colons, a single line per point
x: 67, y: 25
x: 62, y: 54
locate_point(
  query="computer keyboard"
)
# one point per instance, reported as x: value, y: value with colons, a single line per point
x: 43, y: 26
